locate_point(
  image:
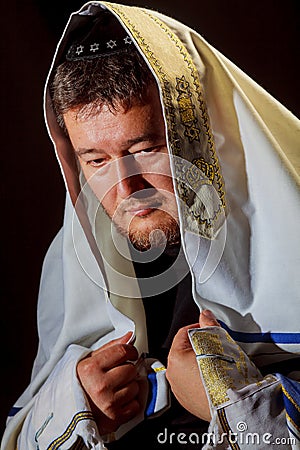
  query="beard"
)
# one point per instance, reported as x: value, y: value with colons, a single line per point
x: 163, y: 235
x: 161, y: 231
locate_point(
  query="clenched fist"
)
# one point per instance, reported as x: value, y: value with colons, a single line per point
x: 183, y: 372
x: 110, y: 383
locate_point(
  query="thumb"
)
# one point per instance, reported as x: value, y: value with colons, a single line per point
x: 181, y: 340
x: 127, y: 338
x: 207, y: 319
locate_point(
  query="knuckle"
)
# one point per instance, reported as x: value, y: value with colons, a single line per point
x: 132, y: 408
x: 99, y: 393
x: 84, y: 369
x: 101, y: 390
x: 121, y: 350
x: 104, y: 387
x: 129, y: 392
x: 111, y: 413
x: 106, y: 406
x: 130, y: 370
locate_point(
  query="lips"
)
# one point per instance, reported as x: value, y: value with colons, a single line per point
x: 143, y: 210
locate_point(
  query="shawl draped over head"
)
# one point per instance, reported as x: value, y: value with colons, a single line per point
x: 235, y: 164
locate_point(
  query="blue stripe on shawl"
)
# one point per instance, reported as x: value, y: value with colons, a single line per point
x: 13, y: 411
x: 153, y: 392
x: 268, y: 337
x: 291, y: 399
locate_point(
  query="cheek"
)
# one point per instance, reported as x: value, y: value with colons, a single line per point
x: 108, y: 203
x: 160, y: 182
x: 102, y: 184
x: 107, y: 197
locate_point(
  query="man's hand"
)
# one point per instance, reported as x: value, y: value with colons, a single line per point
x: 183, y: 372
x: 109, y: 381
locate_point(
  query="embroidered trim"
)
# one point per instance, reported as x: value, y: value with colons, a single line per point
x: 292, y: 409
x: 290, y: 398
x: 297, y: 427
x: 192, y: 132
x: 226, y: 428
x: 207, y: 169
x: 79, y: 444
x: 223, y: 364
x: 293, y: 432
x: 186, y: 110
x: 214, y: 371
x: 205, y: 117
x: 85, y: 415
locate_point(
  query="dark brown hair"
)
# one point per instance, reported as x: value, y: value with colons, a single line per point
x: 115, y: 80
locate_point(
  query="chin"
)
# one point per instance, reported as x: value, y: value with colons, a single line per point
x: 157, y: 229
x: 158, y: 235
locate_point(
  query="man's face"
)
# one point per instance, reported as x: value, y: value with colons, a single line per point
x: 124, y: 158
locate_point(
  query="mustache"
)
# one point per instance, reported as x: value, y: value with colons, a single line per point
x: 150, y: 198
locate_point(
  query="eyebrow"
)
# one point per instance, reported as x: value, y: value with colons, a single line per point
x: 150, y: 137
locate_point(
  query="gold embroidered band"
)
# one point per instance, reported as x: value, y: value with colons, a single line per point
x: 196, y: 168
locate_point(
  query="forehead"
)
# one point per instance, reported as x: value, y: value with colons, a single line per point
x: 106, y: 125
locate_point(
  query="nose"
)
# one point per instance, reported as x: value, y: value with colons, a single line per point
x: 129, y: 179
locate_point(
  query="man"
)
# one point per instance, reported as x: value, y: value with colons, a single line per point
x: 147, y: 205
x: 119, y: 140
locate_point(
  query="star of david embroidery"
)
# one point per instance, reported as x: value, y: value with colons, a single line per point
x: 127, y: 40
x: 94, y: 47
x: 79, y: 49
x: 111, y: 44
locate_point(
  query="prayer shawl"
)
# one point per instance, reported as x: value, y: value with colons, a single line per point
x: 235, y: 163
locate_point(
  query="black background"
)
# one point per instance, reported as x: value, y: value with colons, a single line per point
x: 261, y: 37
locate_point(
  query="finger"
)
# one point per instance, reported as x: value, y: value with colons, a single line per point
x: 125, y: 395
x: 116, y: 355
x: 208, y: 319
x: 131, y: 409
x: 181, y: 340
x: 122, y: 413
x: 122, y: 375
